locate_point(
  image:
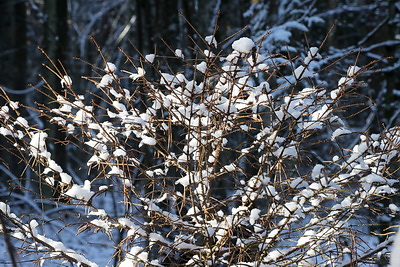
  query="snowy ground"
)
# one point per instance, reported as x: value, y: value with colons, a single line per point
x: 88, y: 243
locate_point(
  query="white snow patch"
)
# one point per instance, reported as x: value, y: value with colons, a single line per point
x: 81, y: 192
x: 393, y: 208
x: 14, y: 105
x: 23, y: 122
x: 302, y: 72
x: 202, y: 67
x: 119, y: 153
x: 352, y: 71
x: 208, y: 53
x: 5, y: 208
x: 105, y: 81
x: 147, y: 140
x: 110, y: 67
x: 66, y: 81
x: 150, y: 58
x: 99, y: 212
x: 307, y: 237
x: 38, y: 144
x: 211, y: 40
x: 179, y: 53
x: 243, y: 45
x: 116, y: 171
x: 335, y: 93
x: 274, y: 255
x: 316, y: 172
x: 101, y: 224
x: 140, y: 73
x: 372, y: 178
x: 229, y: 168
x: 254, y: 216
x: 65, y: 178
x: 340, y: 131
x: 394, y: 258
x: 345, y: 81
x: 313, y: 51
x: 184, y: 181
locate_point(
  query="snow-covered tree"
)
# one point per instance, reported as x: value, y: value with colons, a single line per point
x: 369, y: 28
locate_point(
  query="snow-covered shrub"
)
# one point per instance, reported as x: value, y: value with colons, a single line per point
x: 221, y: 163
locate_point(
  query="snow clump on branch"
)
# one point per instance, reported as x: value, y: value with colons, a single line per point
x: 243, y: 45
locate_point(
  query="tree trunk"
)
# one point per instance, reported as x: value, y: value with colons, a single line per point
x: 13, y: 62
x: 13, y: 45
x: 56, y: 39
